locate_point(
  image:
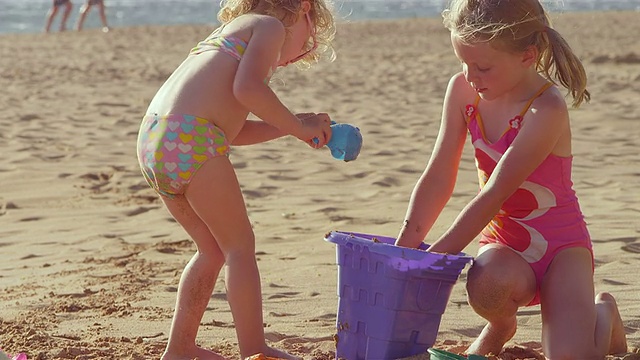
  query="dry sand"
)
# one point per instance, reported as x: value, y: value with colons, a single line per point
x: 92, y: 260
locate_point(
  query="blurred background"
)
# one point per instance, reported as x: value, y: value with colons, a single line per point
x: 27, y: 16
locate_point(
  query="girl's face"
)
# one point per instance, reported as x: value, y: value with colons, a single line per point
x: 301, y: 39
x: 491, y: 72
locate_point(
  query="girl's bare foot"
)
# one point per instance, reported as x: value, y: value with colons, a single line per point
x: 618, y: 343
x: 197, y: 353
x: 493, y: 337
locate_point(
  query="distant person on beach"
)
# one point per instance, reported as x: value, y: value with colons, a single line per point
x: 534, y: 244
x: 55, y: 7
x: 184, y: 144
x: 84, y: 10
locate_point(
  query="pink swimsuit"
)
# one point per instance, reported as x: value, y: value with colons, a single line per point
x: 543, y: 216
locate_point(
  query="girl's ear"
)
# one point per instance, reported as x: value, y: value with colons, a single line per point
x: 305, y: 6
x: 530, y: 56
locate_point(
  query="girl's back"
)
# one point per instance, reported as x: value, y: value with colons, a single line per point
x: 207, y: 76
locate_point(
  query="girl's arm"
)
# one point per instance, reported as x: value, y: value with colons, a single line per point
x: 536, y: 140
x: 252, y: 91
x: 435, y: 186
x: 255, y: 132
x: 258, y: 131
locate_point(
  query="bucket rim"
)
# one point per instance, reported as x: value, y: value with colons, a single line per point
x: 338, y: 237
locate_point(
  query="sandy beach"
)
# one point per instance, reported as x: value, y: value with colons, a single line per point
x: 92, y: 259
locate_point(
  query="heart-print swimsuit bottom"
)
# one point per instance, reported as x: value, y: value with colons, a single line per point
x: 171, y: 149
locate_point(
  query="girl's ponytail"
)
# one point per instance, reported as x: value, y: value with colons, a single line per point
x: 558, y: 62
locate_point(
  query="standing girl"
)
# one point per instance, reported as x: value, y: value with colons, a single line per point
x: 84, y: 10
x: 51, y: 14
x: 534, y: 243
x: 184, y: 142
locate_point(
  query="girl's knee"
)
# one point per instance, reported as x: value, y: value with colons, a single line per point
x: 500, y: 280
x: 487, y: 291
x: 213, y: 257
x: 240, y: 243
x: 240, y: 255
x: 493, y: 292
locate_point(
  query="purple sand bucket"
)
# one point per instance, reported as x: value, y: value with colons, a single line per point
x: 391, y: 298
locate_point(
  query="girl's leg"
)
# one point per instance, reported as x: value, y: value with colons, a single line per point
x: 50, y: 16
x: 196, y: 284
x: 65, y: 16
x: 103, y: 17
x: 573, y: 326
x: 498, y: 283
x: 84, y: 9
x: 215, y: 196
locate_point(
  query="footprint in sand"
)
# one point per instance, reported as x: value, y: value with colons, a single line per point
x: 219, y: 324
x: 632, y: 248
x: 631, y: 326
x: 274, y: 336
x: 111, y: 104
x: 253, y: 194
x: 140, y: 210
x: 4, y: 206
x: 283, y: 178
x: 362, y: 175
x: 33, y: 218
x: 283, y: 295
x: 272, y: 285
x: 219, y: 296
x: 29, y: 117
x: 275, y: 314
x: 387, y: 181
x: 329, y: 316
x: 175, y: 248
x: 629, y: 58
x: 337, y: 218
x: 99, y: 176
x: 7, y: 168
x: 613, y: 282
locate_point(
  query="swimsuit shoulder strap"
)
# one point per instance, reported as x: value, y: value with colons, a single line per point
x: 471, y: 109
x: 217, y: 31
x: 534, y: 97
x: 475, y: 103
x: 219, y: 28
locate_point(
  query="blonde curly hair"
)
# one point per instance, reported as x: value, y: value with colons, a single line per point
x: 321, y: 14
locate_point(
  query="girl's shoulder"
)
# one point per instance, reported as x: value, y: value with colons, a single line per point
x: 459, y: 91
x: 551, y: 97
x: 546, y: 113
x: 266, y: 29
x: 247, y: 26
x: 459, y: 83
x: 257, y: 21
x: 268, y: 23
x: 550, y: 103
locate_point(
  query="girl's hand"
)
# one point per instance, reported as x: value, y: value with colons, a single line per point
x: 304, y: 115
x: 314, y: 126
